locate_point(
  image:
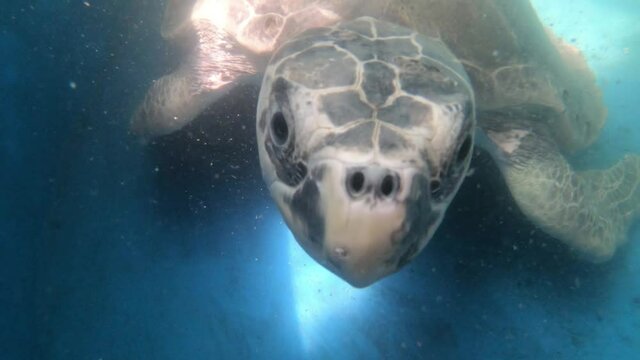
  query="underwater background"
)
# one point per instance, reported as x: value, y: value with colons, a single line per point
x: 110, y: 249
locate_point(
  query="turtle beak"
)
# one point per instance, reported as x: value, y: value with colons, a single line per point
x: 360, y: 240
x: 363, y: 222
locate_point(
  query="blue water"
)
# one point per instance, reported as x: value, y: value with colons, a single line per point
x: 110, y: 249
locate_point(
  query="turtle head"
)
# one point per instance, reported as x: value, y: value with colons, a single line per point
x: 364, y: 152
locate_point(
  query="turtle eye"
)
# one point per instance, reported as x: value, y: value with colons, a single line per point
x: 279, y: 128
x: 464, y: 150
x: 280, y: 146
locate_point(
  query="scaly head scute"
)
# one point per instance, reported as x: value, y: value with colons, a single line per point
x: 365, y: 132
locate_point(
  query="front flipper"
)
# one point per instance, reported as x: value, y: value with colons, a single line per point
x: 215, y: 63
x: 590, y: 211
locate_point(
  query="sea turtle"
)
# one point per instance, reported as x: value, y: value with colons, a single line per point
x: 369, y: 111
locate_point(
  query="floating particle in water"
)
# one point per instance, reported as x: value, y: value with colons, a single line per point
x: 73, y: 85
x: 626, y: 51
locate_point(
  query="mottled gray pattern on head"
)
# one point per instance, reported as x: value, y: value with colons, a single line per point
x: 374, y: 71
x: 388, y: 115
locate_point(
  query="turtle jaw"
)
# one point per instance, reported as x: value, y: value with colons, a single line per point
x: 365, y: 236
x: 360, y: 237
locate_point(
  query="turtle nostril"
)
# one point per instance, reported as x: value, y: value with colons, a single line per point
x: 375, y: 180
x: 341, y: 252
x: 356, y: 182
x: 388, y: 185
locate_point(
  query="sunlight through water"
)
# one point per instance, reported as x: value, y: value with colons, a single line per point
x: 319, y: 295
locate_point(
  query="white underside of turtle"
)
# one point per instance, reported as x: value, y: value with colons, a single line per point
x: 369, y: 112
